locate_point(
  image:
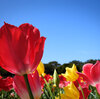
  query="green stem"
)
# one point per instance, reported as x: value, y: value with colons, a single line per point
x: 46, y: 93
x: 48, y: 87
x: 93, y: 95
x: 28, y: 86
x: 59, y: 94
x: 81, y: 90
x: 2, y: 95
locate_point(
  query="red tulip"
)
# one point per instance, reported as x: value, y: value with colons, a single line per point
x: 86, y: 92
x: 91, y: 74
x: 6, y: 84
x: 63, y: 82
x: 81, y: 82
x: 84, y: 86
x: 21, y: 48
x: 21, y: 89
x: 47, y: 78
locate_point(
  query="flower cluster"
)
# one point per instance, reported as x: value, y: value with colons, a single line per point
x: 70, y: 84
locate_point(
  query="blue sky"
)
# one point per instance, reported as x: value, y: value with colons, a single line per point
x: 72, y: 27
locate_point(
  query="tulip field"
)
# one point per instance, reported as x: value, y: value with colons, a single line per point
x: 70, y: 85
x: 21, y: 51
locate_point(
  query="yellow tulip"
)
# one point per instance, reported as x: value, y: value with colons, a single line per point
x: 70, y: 92
x: 41, y: 69
x: 71, y: 74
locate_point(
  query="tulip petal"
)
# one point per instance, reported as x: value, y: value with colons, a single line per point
x: 38, y: 53
x: 21, y: 89
x: 71, y: 74
x: 70, y: 92
x: 95, y: 72
x: 41, y: 69
x: 35, y: 85
x: 31, y: 31
x: 87, y: 69
x: 17, y: 39
x: 9, y: 60
x: 86, y: 92
x: 85, y: 78
x: 98, y: 87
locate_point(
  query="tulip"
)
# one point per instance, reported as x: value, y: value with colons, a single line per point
x: 21, y: 48
x: 6, y: 84
x: 63, y: 82
x: 21, y: 88
x: 70, y: 92
x: 56, y: 79
x: 91, y: 74
x: 47, y: 77
x: 41, y: 69
x: 82, y: 86
x: 71, y: 74
x: 86, y: 92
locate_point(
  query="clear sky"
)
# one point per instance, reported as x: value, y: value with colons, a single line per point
x: 72, y: 27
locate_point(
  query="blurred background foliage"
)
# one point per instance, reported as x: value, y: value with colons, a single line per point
x: 49, y: 67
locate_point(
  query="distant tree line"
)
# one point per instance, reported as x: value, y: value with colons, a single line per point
x: 49, y: 67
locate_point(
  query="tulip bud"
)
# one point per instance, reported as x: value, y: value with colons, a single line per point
x: 56, y: 79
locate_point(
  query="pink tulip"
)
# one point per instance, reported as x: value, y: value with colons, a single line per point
x: 21, y: 89
x: 91, y: 74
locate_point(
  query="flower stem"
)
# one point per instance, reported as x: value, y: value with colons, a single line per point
x: 48, y: 87
x: 59, y: 94
x: 81, y: 90
x: 28, y: 86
